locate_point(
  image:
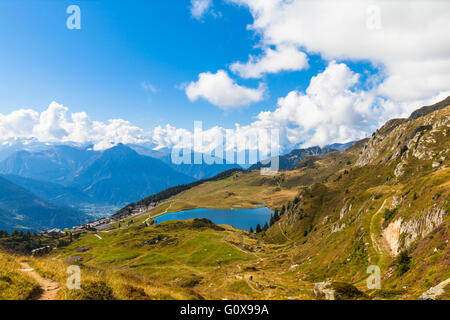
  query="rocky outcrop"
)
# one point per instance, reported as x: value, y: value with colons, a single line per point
x: 323, y: 290
x: 392, y: 236
x: 400, y: 169
x: 422, y: 225
x: 337, y: 227
x: 400, y: 234
x: 336, y: 291
x: 435, y: 291
x: 345, y: 210
x: 399, y: 139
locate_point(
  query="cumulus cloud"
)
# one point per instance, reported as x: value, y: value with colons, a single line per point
x: 331, y: 110
x: 406, y: 43
x: 18, y: 124
x: 283, y: 58
x: 409, y: 40
x: 199, y: 8
x: 220, y: 90
x: 57, y: 125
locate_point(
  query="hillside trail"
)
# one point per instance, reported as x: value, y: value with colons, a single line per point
x: 49, y: 287
x: 380, y: 245
x: 282, y: 232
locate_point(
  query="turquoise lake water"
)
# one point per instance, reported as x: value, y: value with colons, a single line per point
x: 239, y: 218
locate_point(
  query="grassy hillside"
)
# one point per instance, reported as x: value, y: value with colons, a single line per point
x: 14, y: 284
x: 192, y: 259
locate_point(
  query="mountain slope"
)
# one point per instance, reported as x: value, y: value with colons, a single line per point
x: 54, y: 193
x: 340, y: 146
x: 202, y: 170
x: 197, y: 171
x: 392, y: 198
x: 289, y: 161
x: 56, y: 164
x: 19, y: 208
x: 120, y: 175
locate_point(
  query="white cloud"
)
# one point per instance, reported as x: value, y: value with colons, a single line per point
x: 56, y: 125
x: 331, y: 110
x: 409, y: 40
x: 18, y: 124
x: 199, y: 8
x: 283, y: 58
x: 220, y: 90
x: 407, y: 43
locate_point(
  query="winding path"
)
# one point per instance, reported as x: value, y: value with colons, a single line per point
x: 49, y: 287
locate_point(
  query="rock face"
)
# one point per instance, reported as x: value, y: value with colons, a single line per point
x: 422, y: 225
x: 400, y: 234
x: 399, y: 169
x: 435, y: 291
x: 392, y: 236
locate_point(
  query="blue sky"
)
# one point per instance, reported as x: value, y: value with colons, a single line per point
x: 101, y: 68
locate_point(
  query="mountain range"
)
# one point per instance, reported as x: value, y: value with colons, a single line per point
x: 83, y: 181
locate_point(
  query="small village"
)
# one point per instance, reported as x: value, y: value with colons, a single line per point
x: 103, y: 224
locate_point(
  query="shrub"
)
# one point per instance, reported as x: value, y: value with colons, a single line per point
x: 135, y: 293
x: 95, y: 290
x: 346, y: 291
x: 389, y: 214
x: 403, y: 263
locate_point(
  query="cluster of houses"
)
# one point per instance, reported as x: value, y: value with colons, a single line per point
x: 135, y: 210
x: 53, y: 232
x: 102, y: 224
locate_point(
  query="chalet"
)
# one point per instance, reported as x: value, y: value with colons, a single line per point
x: 54, y: 232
